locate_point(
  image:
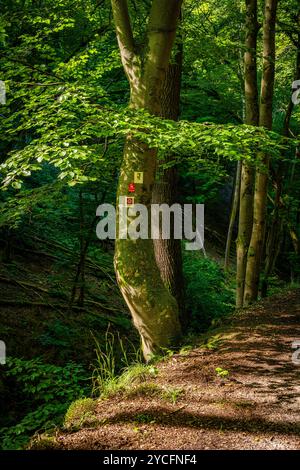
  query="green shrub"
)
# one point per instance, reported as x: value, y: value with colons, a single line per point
x: 44, y: 417
x: 208, y: 296
x: 45, y: 392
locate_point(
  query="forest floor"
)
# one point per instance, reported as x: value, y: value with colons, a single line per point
x: 251, y: 403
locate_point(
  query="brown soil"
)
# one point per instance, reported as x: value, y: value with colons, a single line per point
x: 255, y: 407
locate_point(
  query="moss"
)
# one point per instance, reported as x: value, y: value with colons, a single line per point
x: 151, y: 389
x: 43, y: 442
x: 81, y: 412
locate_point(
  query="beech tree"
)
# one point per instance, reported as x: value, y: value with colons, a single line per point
x: 248, y: 170
x: 154, y: 310
x: 255, y: 251
x: 274, y: 235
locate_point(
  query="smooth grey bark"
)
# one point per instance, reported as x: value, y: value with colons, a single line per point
x: 247, y: 171
x: 154, y: 310
x: 255, y: 251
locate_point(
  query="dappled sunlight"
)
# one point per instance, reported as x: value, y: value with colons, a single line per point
x: 254, y: 404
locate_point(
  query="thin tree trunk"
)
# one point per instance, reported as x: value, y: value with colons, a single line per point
x: 255, y: 250
x: 84, y: 245
x: 79, y: 270
x: 83, y: 252
x: 233, y: 214
x: 235, y: 199
x: 153, y: 308
x: 247, y: 171
x: 274, y: 234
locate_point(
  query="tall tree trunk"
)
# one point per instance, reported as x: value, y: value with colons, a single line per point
x: 255, y: 250
x: 168, y: 252
x: 153, y: 308
x: 247, y: 171
x: 274, y: 234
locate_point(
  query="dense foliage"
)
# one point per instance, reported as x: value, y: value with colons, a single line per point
x: 63, y: 128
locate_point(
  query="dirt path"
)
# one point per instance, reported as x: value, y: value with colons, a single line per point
x: 256, y: 406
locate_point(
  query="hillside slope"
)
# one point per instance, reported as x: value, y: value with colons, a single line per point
x: 250, y: 402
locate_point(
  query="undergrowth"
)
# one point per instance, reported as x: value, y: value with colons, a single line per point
x: 49, y: 391
x: 209, y: 293
x: 44, y: 391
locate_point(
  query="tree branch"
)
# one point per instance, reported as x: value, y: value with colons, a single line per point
x: 124, y: 34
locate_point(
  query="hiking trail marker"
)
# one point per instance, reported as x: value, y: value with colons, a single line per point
x: 131, y: 188
x: 138, y: 177
x: 129, y: 201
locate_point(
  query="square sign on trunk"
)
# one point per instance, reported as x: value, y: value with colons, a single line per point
x: 129, y: 201
x: 138, y: 177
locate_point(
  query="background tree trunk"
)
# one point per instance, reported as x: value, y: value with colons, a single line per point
x: 233, y: 213
x: 247, y: 171
x: 255, y: 251
x: 275, y: 231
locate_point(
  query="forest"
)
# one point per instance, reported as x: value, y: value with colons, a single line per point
x: 149, y: 225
